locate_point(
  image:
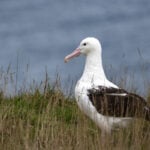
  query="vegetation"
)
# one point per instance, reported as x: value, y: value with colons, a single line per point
x: 48, y: 120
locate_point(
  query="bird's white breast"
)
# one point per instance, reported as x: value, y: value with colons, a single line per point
x: 104, y: 122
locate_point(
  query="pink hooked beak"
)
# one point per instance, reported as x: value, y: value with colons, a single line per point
x: 75, y: 53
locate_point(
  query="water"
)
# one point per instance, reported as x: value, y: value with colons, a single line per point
x: 41, y: 32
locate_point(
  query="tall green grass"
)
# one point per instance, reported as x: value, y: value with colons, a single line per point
x: 43, y: 118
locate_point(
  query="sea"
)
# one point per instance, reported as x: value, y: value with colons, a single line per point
x: 36, y: 35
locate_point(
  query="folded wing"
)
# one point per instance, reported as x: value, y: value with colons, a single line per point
x: 118, y: 103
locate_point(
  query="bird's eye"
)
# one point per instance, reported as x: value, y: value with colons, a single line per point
x: 84, y: 44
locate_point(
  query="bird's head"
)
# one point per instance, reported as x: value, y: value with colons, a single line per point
x: 87, y: 46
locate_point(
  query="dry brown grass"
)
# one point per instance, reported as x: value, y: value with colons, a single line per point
x: 50, y: 121
x: 45, y: 119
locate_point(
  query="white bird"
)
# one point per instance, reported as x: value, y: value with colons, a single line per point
x: 105, y: 103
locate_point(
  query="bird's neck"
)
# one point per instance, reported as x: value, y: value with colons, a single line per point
x: 93, y: 70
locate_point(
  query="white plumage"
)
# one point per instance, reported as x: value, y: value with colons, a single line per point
x: 93, y: 78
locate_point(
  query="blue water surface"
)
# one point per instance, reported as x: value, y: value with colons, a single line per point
x: 36, y: 35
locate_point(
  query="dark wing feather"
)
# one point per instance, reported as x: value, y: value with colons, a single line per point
x: 118, y: 103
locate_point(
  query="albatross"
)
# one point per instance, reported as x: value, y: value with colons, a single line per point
x: 109, y: 106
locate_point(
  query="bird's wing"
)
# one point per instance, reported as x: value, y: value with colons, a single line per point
x: 118, y: 102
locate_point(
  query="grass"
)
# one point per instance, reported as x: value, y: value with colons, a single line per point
x: 49, y: 120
